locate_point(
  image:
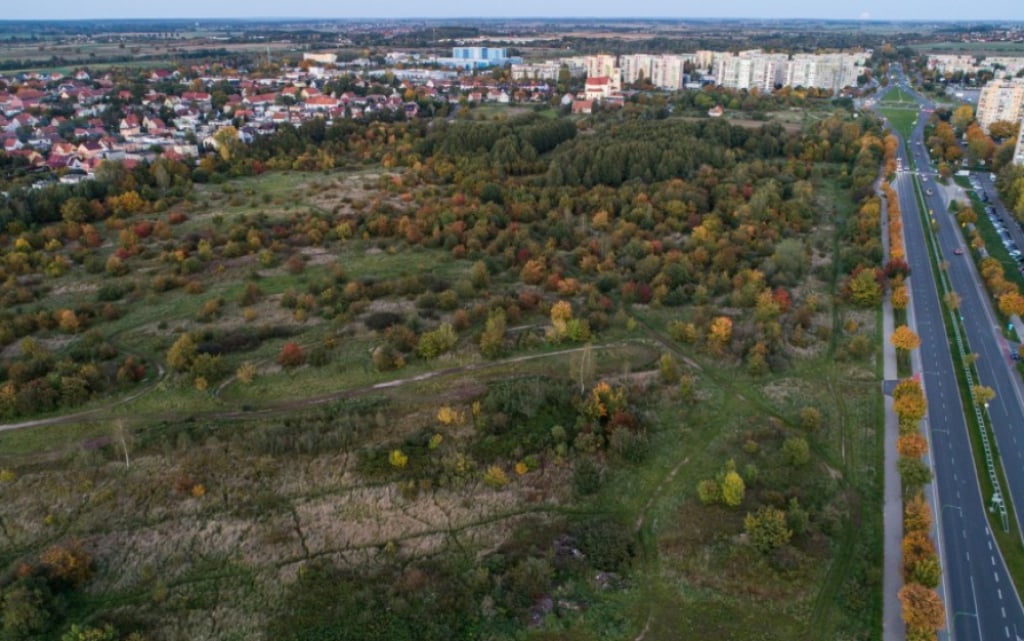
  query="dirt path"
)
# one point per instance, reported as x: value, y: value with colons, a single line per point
x: 311, y: 401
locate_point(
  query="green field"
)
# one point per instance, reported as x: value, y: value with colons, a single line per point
x: 903, y: 120
x: 972, y: 48
x: 897, y: 95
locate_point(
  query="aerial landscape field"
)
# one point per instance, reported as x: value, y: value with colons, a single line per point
x: 509, y: 329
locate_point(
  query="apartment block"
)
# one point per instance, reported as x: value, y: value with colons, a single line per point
x: 537, y: 70
x: 1000, y: 100
x: 602, y: 66
x: 757, y: 70
x: 1019, y: 150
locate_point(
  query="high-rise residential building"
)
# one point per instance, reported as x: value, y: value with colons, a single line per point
x: 636, y: 66
x: 602, y: 66
x: 662, y: 71
x: 1001, y: 66
x: 833, y: 71
x: 1000, y: 100
x: 537, y: 70
x: 750, y: 70
x: 1018, y: 152
x: 757, y: 70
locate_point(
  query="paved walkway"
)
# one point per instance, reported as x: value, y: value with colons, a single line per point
x: 893, y: 628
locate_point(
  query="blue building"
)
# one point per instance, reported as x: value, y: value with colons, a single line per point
x: 479, y: 58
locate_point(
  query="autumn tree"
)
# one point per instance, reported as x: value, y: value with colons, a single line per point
x: 719, y: 334
x: 1011, y: 303
x: 917, y: 515
x: 67, y: 564
x: 291, y: 355
x: 952, y: 300
x: 900, y: 297
x: 398, y: 459
x: 564, y: 327
x: 905, y: 339
x: 912, y: 445
x: 246, y: 372
x: 962, y: 116
x: 909, y: 404
x: 983, y: 394
x: 227, y: 142
x: 916, y: 545
x: 733, y: 489
x: 182, y: 353
x: 922, y: 609
x: 864, y: 289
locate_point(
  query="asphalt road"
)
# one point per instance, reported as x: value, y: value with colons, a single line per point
x: 980, y: 599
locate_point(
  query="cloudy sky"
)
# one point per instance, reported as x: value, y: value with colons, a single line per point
x: 851, y: 9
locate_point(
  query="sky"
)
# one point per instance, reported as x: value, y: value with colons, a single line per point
x: 845, y: 10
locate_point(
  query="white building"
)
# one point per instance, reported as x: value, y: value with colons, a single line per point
x: 1000, y: 100
x: 757, y: 70
x: 321, y: 58
x: 537, y: 71
x: 1018, y: 152
x: 602, y: 65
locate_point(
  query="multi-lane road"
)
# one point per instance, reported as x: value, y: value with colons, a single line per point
x: 980, y: 597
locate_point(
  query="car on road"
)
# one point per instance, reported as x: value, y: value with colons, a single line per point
x: 929, y: 192
x: 958, y: 251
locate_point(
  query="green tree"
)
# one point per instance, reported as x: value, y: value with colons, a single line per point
x: 436, y: 342
x: 25, y: 608
x: 767, y: 528
x: 709, y: 492
x: 492, y: 340
x: 914, y: 473
x: 796, y: 452
x: 797, y: 518
x: 83, y: 633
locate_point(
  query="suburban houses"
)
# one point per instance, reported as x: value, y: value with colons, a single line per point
x: 70, y: 124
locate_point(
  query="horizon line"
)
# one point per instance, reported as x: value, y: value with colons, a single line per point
x: 517, y: 18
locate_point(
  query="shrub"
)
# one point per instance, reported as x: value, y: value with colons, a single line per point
x: 767, y: 528
x: 709, y: 492
x: 434, y: 343
x: 495, y: 477
x: 291, y: 356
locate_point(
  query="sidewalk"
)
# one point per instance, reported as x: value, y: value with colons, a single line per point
x: 893, y: 628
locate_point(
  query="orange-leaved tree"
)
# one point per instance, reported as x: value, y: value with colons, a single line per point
x: 904, y: 338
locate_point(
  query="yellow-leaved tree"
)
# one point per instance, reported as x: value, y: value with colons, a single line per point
x: 905, y: 339
x: 719, y: 334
